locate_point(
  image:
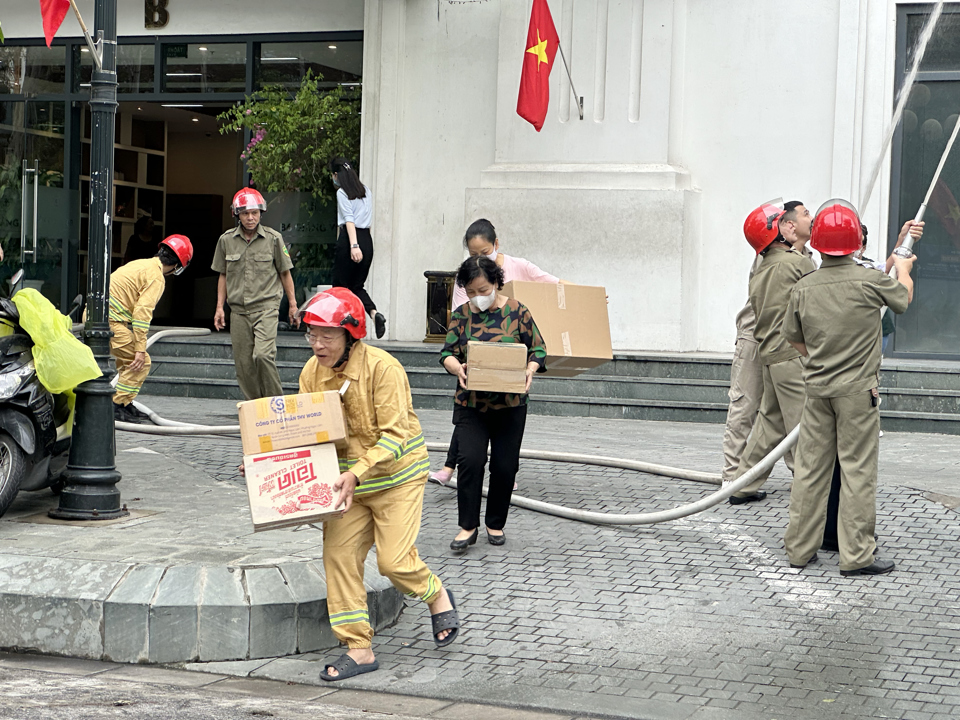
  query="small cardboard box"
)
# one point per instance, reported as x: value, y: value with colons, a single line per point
x: 292, y: 487
x: 289, y: 421
x: 573, y: 322
x: 496, y: 367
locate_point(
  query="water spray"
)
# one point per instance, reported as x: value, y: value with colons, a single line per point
x: 902, y: 98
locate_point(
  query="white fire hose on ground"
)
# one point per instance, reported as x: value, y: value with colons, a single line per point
x: 162, y: 426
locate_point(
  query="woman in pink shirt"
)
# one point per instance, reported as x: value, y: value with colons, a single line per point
x: 481, y: 239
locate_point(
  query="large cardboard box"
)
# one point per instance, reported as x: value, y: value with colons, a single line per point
x: 496, y: 366
x: 289, y: 421
x: 292, y: 487
x: 573, y: 322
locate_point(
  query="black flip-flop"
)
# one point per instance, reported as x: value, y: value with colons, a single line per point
x: 347, y: 667
x: 446, y: 620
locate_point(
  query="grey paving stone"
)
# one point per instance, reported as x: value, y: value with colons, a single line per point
x: 309, y: 588
x: 273, y: 613
x: 126, y: 615
x: 174, y: 616
x: 223, y: 622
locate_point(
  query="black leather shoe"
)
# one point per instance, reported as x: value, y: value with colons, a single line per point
x: 380, y: 323
x: 496, y: 539
x: 464, y: 544
x: 759, y: 495
x: 812, y: 561
x: 877, y: 567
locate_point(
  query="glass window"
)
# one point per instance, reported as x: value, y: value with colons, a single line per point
x: 339, y: 63
x: 310, y: 230
x: 135, y: 71
x: 32, y: 70
x: 208, y: 68
x: 932, y: 322
x: 943, y: 50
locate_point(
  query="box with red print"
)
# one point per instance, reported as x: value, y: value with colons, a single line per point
x: 292, y: 487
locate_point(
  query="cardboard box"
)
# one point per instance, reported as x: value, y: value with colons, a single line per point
x: 290, y: 421
x: 496, y: 366
x: 573, y: 322
x: 292, y: 487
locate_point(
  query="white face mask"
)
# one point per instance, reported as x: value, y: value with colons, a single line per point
x: 493, y: 255
x: 481, y: 303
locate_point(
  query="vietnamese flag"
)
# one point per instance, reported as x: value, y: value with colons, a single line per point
x: 540, y: 50
x: 53, y: 12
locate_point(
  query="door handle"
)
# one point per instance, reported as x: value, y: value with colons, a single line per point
x: 27, y: 172
x: 36, y: 198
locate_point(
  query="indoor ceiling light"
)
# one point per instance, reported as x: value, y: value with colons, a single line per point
x: 183, y: 74
x: 86, y: 50
x: 203, y: 49
x: 332, y: 47
x: 180, y: 105
x: 282, y: 59
x: 195, y: 119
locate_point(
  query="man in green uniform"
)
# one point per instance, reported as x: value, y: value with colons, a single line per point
x: 833, y: 320
x: 779, y: 233
x: 254, y: 266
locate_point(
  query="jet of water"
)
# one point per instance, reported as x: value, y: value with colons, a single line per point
x: 902, y: 98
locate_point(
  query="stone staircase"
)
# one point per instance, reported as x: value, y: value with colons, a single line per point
x: 918, y: 395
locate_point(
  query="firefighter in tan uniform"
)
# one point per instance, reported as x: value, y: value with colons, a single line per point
x: 135, y: 290
x: 254, y: 266
x: 384, y: 468
x: 833, y: 319
x: 776, y: 233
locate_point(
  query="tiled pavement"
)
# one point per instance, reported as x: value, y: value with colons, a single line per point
x: 697, y: 618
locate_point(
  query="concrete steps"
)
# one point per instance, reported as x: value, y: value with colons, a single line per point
x: 918, y: 396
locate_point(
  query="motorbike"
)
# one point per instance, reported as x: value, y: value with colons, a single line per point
x: 35, y: 425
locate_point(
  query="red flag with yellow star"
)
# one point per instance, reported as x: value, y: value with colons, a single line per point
x: 541, y: 49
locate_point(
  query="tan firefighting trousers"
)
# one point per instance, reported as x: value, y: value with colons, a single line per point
x: 254, y: 339
x: 121, y: 347
x: 780, y: 410
x: 391, y: 519
x: 746, y: 391
x: 847, y: 428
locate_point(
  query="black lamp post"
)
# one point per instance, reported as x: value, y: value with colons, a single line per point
x: 91, y: 475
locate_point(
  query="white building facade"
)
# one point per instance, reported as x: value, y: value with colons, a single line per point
x: 694, y: 112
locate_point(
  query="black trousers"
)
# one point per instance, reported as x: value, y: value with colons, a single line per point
x: 502, y: 431
x: 352, y: 275
x: 454, y: 449
x: 833, y: 509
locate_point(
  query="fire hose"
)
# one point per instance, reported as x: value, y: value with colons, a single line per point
x: 162, y: 426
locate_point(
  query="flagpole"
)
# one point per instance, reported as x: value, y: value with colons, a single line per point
x: 577, y: 99
x: 86, y: 35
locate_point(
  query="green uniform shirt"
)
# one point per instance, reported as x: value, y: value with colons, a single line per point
x: 770, y: 289
x: 252, y: 268
x: 835, y: 312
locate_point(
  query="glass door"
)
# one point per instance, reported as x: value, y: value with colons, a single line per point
x: 35, y: 208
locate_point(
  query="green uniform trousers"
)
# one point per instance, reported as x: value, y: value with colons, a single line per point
x: 780, y: 410
x: 746, y: 391
x: 254, y: 339
x: 847, y: 428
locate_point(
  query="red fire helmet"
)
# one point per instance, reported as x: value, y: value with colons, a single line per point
x: 248, y: 199
x: 182, y: 248
x: 337, y: 307
x: 836, y: 229
x: 760, y: 228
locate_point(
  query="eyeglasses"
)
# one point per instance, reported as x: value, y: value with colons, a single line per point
x: 325, y: 340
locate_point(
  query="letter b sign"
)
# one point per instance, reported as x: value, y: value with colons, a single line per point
x: 155, y: 13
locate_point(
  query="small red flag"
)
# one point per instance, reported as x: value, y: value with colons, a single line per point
x: 53, y: 12
x: 540, y: 50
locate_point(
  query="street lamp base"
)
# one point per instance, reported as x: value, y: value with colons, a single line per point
x: 86, y: 502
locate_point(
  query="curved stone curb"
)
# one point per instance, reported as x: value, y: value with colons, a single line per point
x: 144, y: 613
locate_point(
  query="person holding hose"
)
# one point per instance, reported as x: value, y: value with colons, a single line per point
x: 254, y: 266
x: 354, y: 253
x: 487, y: 419
x: 135, y: 290
x: 776, y: 231
x: 384, y: 471
x: 481, y: 240
x: 833, y: 320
